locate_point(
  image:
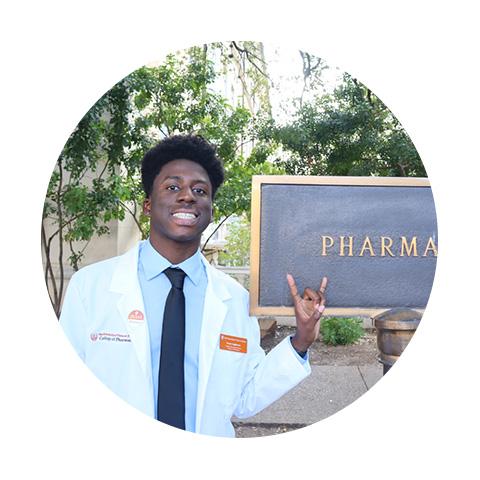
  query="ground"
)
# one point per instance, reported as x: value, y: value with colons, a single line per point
x: 362, y: 352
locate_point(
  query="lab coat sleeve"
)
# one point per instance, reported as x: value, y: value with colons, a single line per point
x: 73, y: 318
x: 269, y: 377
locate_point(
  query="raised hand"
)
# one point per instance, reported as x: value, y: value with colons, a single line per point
x: 308, y: 310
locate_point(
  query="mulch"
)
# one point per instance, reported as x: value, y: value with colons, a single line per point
x: 362, y: 352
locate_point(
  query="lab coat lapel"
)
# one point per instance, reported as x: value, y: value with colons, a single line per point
x: 214, y: 313
x: 130, y: 304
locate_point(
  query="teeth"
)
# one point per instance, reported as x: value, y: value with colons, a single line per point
x: 184, y: 215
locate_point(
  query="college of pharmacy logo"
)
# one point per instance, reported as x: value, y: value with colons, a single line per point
x: 110, y: 337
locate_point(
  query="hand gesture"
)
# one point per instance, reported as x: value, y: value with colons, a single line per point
x: 308, y: 310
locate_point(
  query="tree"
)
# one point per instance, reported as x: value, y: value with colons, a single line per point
x: 349, y: 132
x: 237, y: 248
x: 97, y: 176
x: 84, y: 190
x: 312, y: 73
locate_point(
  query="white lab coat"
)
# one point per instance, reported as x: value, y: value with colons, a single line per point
x: 95, y: 316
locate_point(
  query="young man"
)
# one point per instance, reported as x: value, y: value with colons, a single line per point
x: 169, y: 333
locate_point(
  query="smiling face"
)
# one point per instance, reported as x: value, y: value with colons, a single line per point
x: 180, y: 209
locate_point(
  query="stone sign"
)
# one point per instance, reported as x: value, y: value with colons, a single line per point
x: 375, y: 238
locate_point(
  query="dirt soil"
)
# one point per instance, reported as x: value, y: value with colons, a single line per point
x: 362, y: 352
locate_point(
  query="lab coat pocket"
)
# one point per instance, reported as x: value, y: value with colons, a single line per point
x: 230, y: 359
x: 228, y: 374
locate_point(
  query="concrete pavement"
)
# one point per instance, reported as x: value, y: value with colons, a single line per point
x: 326, y: 391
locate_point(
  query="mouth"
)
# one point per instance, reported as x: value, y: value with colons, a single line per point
x: 185, y: 218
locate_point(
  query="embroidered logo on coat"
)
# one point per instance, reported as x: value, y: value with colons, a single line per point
x: 136, y: 316
x: 109, y: 337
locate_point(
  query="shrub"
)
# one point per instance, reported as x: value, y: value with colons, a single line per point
x: 237, y: 249
x: 341, y: 330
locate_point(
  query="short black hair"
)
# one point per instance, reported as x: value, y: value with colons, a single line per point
x: 182, y: 147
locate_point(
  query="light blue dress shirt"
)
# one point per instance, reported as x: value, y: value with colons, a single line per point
x: 155, y: 287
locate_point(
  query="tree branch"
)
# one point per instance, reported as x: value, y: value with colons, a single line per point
x: 240, y: 145
x: 249, y: 54
x: 60, y: 239
x: 49, y: 271
x: 215, y: 231
x: 133, y: 214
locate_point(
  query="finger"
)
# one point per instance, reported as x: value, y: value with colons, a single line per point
x: 321, y: 291
x: 293, y: 288
x: 311, y: 295
x: 323, y: 285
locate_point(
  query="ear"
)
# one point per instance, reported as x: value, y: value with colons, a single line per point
x: 147, y: 205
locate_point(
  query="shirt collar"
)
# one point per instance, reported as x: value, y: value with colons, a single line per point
x: 154, y: 263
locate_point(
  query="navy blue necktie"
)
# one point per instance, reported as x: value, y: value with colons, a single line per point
x: 171, y: 381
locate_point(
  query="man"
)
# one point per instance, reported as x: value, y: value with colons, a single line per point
x: 169, y: 333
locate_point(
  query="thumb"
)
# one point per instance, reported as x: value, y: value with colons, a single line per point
x: 319, y: 309
x: 317, y: 312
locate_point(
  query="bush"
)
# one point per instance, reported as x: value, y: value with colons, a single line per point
x: 341, y: 330
x: 237, y: 249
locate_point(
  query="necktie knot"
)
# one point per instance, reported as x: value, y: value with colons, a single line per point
x: 176, y: 277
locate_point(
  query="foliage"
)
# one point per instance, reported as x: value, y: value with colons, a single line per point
x: 97, y: 176
x: 237, y: 248
x: 341, y: 330
x: 348, y: 132
x: 234, y: 197
x: 245, y: 61
x: 84, y: 190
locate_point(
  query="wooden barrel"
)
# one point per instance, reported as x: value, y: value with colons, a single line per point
x: 395, y: 328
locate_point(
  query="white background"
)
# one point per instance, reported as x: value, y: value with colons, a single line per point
x: 421, y: 59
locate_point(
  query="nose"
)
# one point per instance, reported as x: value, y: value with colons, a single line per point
x: 186, y: 195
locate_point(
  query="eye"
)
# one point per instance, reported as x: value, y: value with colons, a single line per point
x: 199, y: 191
x: 173, y: 187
